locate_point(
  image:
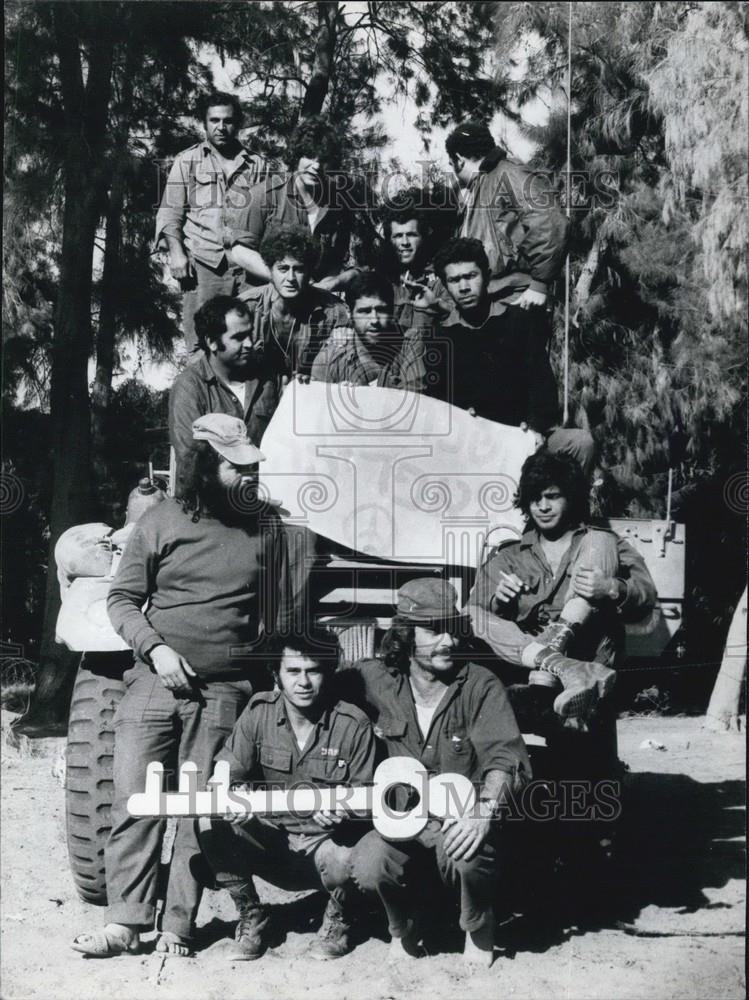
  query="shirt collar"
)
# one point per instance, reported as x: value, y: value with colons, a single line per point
x: 208, y: 147
x: 532, y: 536
x: 282, y: 718
x: 496, y: 308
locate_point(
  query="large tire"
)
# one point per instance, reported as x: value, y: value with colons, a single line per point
x: 88, y: 778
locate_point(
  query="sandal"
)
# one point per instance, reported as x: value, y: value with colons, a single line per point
x: 105, y: 944
x: 172, y: 944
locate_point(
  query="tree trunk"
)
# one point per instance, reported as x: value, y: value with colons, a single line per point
x: 106, y: 335
x: 85, y: 109
x: 723, y: 710
x: 587, y: 276
x: 101, y: 390
x: 317, y: 88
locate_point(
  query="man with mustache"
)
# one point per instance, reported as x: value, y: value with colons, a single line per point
x: 232, y: 376
x: 492, y: 359
x: 199, y: 588
x: 206, y: 193
x: 375, y: 351
x: 426, y: 701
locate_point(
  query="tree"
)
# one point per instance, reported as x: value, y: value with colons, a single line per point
x: 657, y: 360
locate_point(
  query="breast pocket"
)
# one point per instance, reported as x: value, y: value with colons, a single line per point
x: 204, y: 191
x: 457, y: 753
x: 276, y: 763
x: 390, y: 729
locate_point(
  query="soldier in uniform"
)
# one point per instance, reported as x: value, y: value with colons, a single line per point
x: 555, y: 600
x: 430, y: 703
x: 310, y: 196
x: 298, y: 733
x: 207, y: 190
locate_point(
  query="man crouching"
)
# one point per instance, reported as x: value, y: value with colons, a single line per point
x: 454, y: 716
x: 297, y: 734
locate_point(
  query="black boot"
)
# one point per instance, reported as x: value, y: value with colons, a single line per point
x: 249, y: 936
x: 584, y: 683
x: 332, y: 939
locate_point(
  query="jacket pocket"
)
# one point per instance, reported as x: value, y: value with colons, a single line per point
x: 275, y: 759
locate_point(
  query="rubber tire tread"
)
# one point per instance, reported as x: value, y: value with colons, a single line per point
x: 97, y: 692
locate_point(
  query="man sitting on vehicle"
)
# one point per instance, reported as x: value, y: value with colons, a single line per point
x: 562, y: 591
x: 410, y: 243
x: 199, y: 587
x: 298, y: 733
x: 429, y: 703
x: 232, y: 376
x: 492, y: 359
x: 291, y: 317
x: 375, y: 351
x: 309, y: 197
x: 514, y: 212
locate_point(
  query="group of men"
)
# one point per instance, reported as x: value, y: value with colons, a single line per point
x: 202, y: 594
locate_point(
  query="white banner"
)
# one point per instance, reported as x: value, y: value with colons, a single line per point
x: 393, y: 474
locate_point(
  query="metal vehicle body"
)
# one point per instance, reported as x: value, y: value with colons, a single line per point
x: 354, y: 595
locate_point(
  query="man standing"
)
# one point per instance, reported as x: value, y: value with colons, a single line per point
x: 376, y: 352
x: 207, y: 190
x: 310, y: 197
x: 563, y: 590
x: 232, y: 376
x: 513, y: 211
x: 429, y: 703
x: 298, y: 734
x: 492, y: 359
x: 291, y: 317
x: 209, y: 572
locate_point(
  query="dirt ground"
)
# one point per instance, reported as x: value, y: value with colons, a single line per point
x: 668, y: 922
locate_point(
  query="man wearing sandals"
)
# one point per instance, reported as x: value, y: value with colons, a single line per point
x: 209, y: 570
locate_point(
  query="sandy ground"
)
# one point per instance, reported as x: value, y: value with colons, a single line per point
x: 667, y: 923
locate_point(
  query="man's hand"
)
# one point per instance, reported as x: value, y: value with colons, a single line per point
x: 463, y: 837
x: 531, y: 299
x: 509, y: 587
x: 423, y: 296
x: 593, y: 585
x: 180, y: 266
x: 173, y: 670
x: 326, y: 819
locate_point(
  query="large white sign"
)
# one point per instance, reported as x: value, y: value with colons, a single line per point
x: 393, y: 474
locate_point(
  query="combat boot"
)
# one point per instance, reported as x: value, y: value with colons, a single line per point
x: 558, y: 635
x: 585, y: 683
x: 332, y: 939
x: 249, y: 937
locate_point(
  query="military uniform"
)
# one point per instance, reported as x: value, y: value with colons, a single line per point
x: 290, y: 850
x: 509, y: 628
x: 202, y: 207
x: 472, y: 732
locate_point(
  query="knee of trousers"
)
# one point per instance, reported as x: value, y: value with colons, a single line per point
x: 376, y: 862
x: 333, y: 863
x: 477, y: 871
